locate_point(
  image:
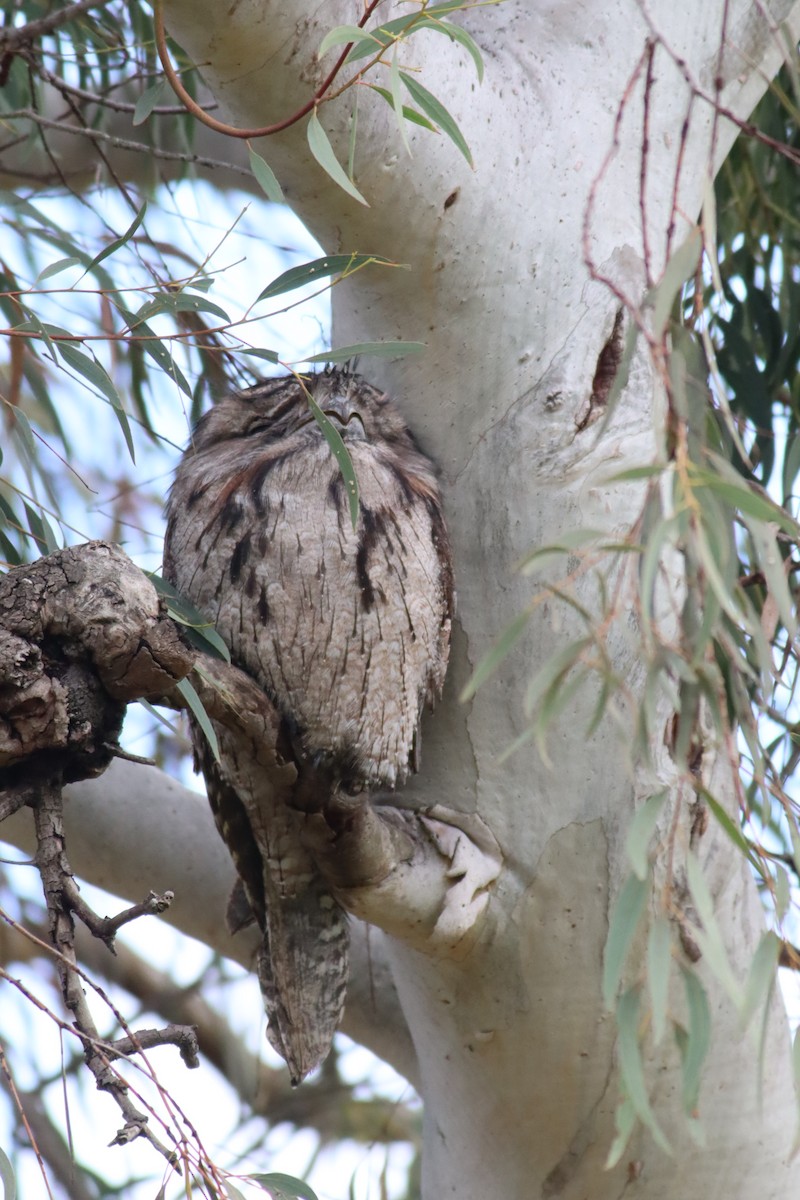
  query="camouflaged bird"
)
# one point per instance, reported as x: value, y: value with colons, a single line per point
x: 346, y: 630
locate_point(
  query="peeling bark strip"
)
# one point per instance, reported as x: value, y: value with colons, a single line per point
x: 81, y: 633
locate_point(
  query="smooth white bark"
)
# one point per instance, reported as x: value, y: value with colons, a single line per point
x: 516, y: 1053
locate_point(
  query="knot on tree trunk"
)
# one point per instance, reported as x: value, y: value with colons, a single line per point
x: 82, y: 632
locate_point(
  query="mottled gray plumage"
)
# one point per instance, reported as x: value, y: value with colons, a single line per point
x: 346, y: 630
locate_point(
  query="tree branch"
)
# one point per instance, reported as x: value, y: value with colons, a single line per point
x: 15, y: 36
x: 53, y: 868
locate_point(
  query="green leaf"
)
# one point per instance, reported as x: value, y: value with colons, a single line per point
x: 410, y: 114
x: 232, y: 1190
x: 560, y: 695
x: 284, y: 1187
x: 762, y: 975
x: 92, y: 371
x: 343, y: 34
x: 772, y: 564
x: 492, y: 659
x: 46, y: 332
x: 340, y: 453
x: 656, y: 544
x: 681, y: 265
x: 384, y: 35
x: 622, y: 928
x: 641, y: 831
x: 369, y: 349
x: 265, y: 177
x: 396, y: 92
x: 24, y: 433
x: 321, y: 148
x: 40, y: 529
x: 120, y: 241
x: 352, y: 139
x: 155, y: 347
x: 625, y: 1121
x: 437, y: 113
x: 152, y: 97
x: 194, y: 702
x: 568, y: 542
x: 553, y: 670
x: 321, y: 268
x: 731, y: 829
x: 268, y: 355
x: 631, y: 1065
x: 7, y: 1177
x: 463, y: 38
x: 200, y: 629
x: 649, y: 472
x: 743, y: 496
x: 695, y: 1047
x: 659, y: 963
x: 55, y: 268
x: 709, y: 937
x: 783, y: 896
x: 175, y: 302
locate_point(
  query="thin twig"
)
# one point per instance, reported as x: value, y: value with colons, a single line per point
x: 100, y: 135
x: 58, y: 883
x: 14, y: 36
x: 182, y: 1036
x: 648, y: 87
x: 11, y: 801
x: 105, y: 101
x: 106, y: 928
x: 12, y: 1089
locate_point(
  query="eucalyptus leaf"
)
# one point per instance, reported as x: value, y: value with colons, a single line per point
x: 195, y: 705
x: 266, y: 178
x: 493, y: 658
x: 641, y: 831
x: 152, y: 97
x: 94, y: 373
x: 199, y: 628
x: 709, y: 936
x: 57, y: 267
x: 369, y: 350
x: 321, y: 268
x: 681, y: 265
x: 7, y: 1177
x: 625, y: 1121
x: 284, y: 1187
x: 410, y: 114
x: 659, y: 964
x: 554, y: 668
x: 695, y: 1049
x: 120, y: 241
x: 342, y: 34
x: 762, y: 975
x: 632, y: 1067
x: 437, y: 113
x: 320, y: 146
x: 341, y: 454
x: 625, y: 918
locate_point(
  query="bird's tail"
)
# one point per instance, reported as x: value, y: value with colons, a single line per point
x: 303, y: 971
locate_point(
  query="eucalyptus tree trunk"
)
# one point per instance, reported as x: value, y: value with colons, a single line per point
x: 584, y: 160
